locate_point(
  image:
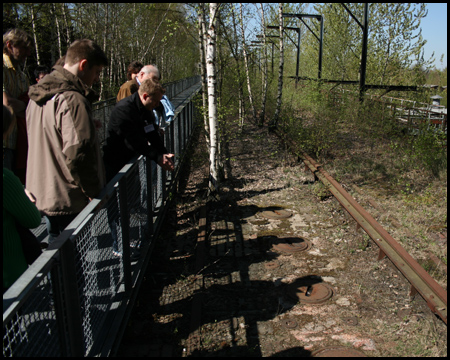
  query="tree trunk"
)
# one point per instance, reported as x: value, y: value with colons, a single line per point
x: 241, y: 91
x: 66, y: 24
x: 202, y: 41
x: 33, y: 23
x: 250, y: 97
x: 212, y: 102
x: 274, y: 122
x: 58, y: 31
x: 264, y: 72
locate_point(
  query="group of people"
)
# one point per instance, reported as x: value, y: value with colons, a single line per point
x: 52, y: 164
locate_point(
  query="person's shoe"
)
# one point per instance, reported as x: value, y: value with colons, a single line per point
x: 135, y: 254
x: 139, y: 214
x: 135, y: 244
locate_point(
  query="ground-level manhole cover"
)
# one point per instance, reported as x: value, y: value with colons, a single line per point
x: 338, y: 352
x: 276, y: 214
x: 310, y: 291
x: 291, y: 245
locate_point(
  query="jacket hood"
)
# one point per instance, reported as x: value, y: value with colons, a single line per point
x: 59, y: 81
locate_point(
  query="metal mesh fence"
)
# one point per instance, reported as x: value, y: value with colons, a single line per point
x: 33, y: 328
x: 73, y: 299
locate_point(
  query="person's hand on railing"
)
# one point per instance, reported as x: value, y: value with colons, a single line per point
x: 166, y: 161
x: 30, y: 196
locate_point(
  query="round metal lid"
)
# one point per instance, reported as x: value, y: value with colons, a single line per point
x: 292, y: 245
x: 276, y: 214
x: 338, y: 352
x: 310, y: 292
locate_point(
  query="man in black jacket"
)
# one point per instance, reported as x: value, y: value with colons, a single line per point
x: 132, y: 131
x: 132, y: 127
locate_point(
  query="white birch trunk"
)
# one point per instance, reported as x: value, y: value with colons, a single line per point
x: 274, y: 122
x: 63, y: 8
x: 264, y: 72
x: 238, y: 72
x: 212, y: 102
x: 58, y: 32
x: 202, y: 42
x: 250, y: 97
x: 33, y: 23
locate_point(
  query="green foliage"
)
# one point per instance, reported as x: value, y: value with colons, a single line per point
x: 429, y: 149
x: 156, y: 33
x: 314, y: 127
x: 395, y: 44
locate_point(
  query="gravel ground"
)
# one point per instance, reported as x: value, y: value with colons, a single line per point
x: 246, y: 295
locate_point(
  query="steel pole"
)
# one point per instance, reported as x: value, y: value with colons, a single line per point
x: 320, y: 48
x: 362, y: 78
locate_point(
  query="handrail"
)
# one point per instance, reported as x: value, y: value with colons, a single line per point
x: 74, y: 299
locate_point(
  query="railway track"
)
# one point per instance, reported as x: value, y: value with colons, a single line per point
x: 421, y: 282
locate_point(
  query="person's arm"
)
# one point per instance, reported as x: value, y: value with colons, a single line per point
x: 79, y: 146
x: 16, y: 201
x: 18, y: 106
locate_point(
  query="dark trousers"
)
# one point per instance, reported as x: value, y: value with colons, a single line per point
x: 57, y: 224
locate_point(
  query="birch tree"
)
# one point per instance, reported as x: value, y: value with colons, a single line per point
x: 202, y: 47
x: 33, y: 26
x: 235, y: 51
x: 274, y: 122
x: 212, y: 100
x: 264, y: 72
x: 244, y: 48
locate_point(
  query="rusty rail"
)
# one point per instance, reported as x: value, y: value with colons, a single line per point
x: 421, y: 281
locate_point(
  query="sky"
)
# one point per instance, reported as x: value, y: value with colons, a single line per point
x: 434, y: 30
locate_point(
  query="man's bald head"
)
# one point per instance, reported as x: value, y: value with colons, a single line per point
x: 149, y: 72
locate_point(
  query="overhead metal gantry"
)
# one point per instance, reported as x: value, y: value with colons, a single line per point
x: 364, y: 25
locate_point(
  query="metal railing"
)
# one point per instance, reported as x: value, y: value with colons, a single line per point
x: 409, y: 113
x: 74, y: 299
x: 101, y: 110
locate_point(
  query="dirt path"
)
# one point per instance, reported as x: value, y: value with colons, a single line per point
x: 247, y: 296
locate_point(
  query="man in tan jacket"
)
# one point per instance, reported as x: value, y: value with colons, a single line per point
x: 65, y: 170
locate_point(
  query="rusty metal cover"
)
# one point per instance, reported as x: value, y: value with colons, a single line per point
x: 276, y: 214
x: 338, y: 352
x: 310, y: 292
x: 292, y: 245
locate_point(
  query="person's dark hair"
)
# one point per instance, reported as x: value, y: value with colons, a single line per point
x: 16, y: 37
x: 40, y: 69
x: 134, y: 68
x: 86, y: 49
